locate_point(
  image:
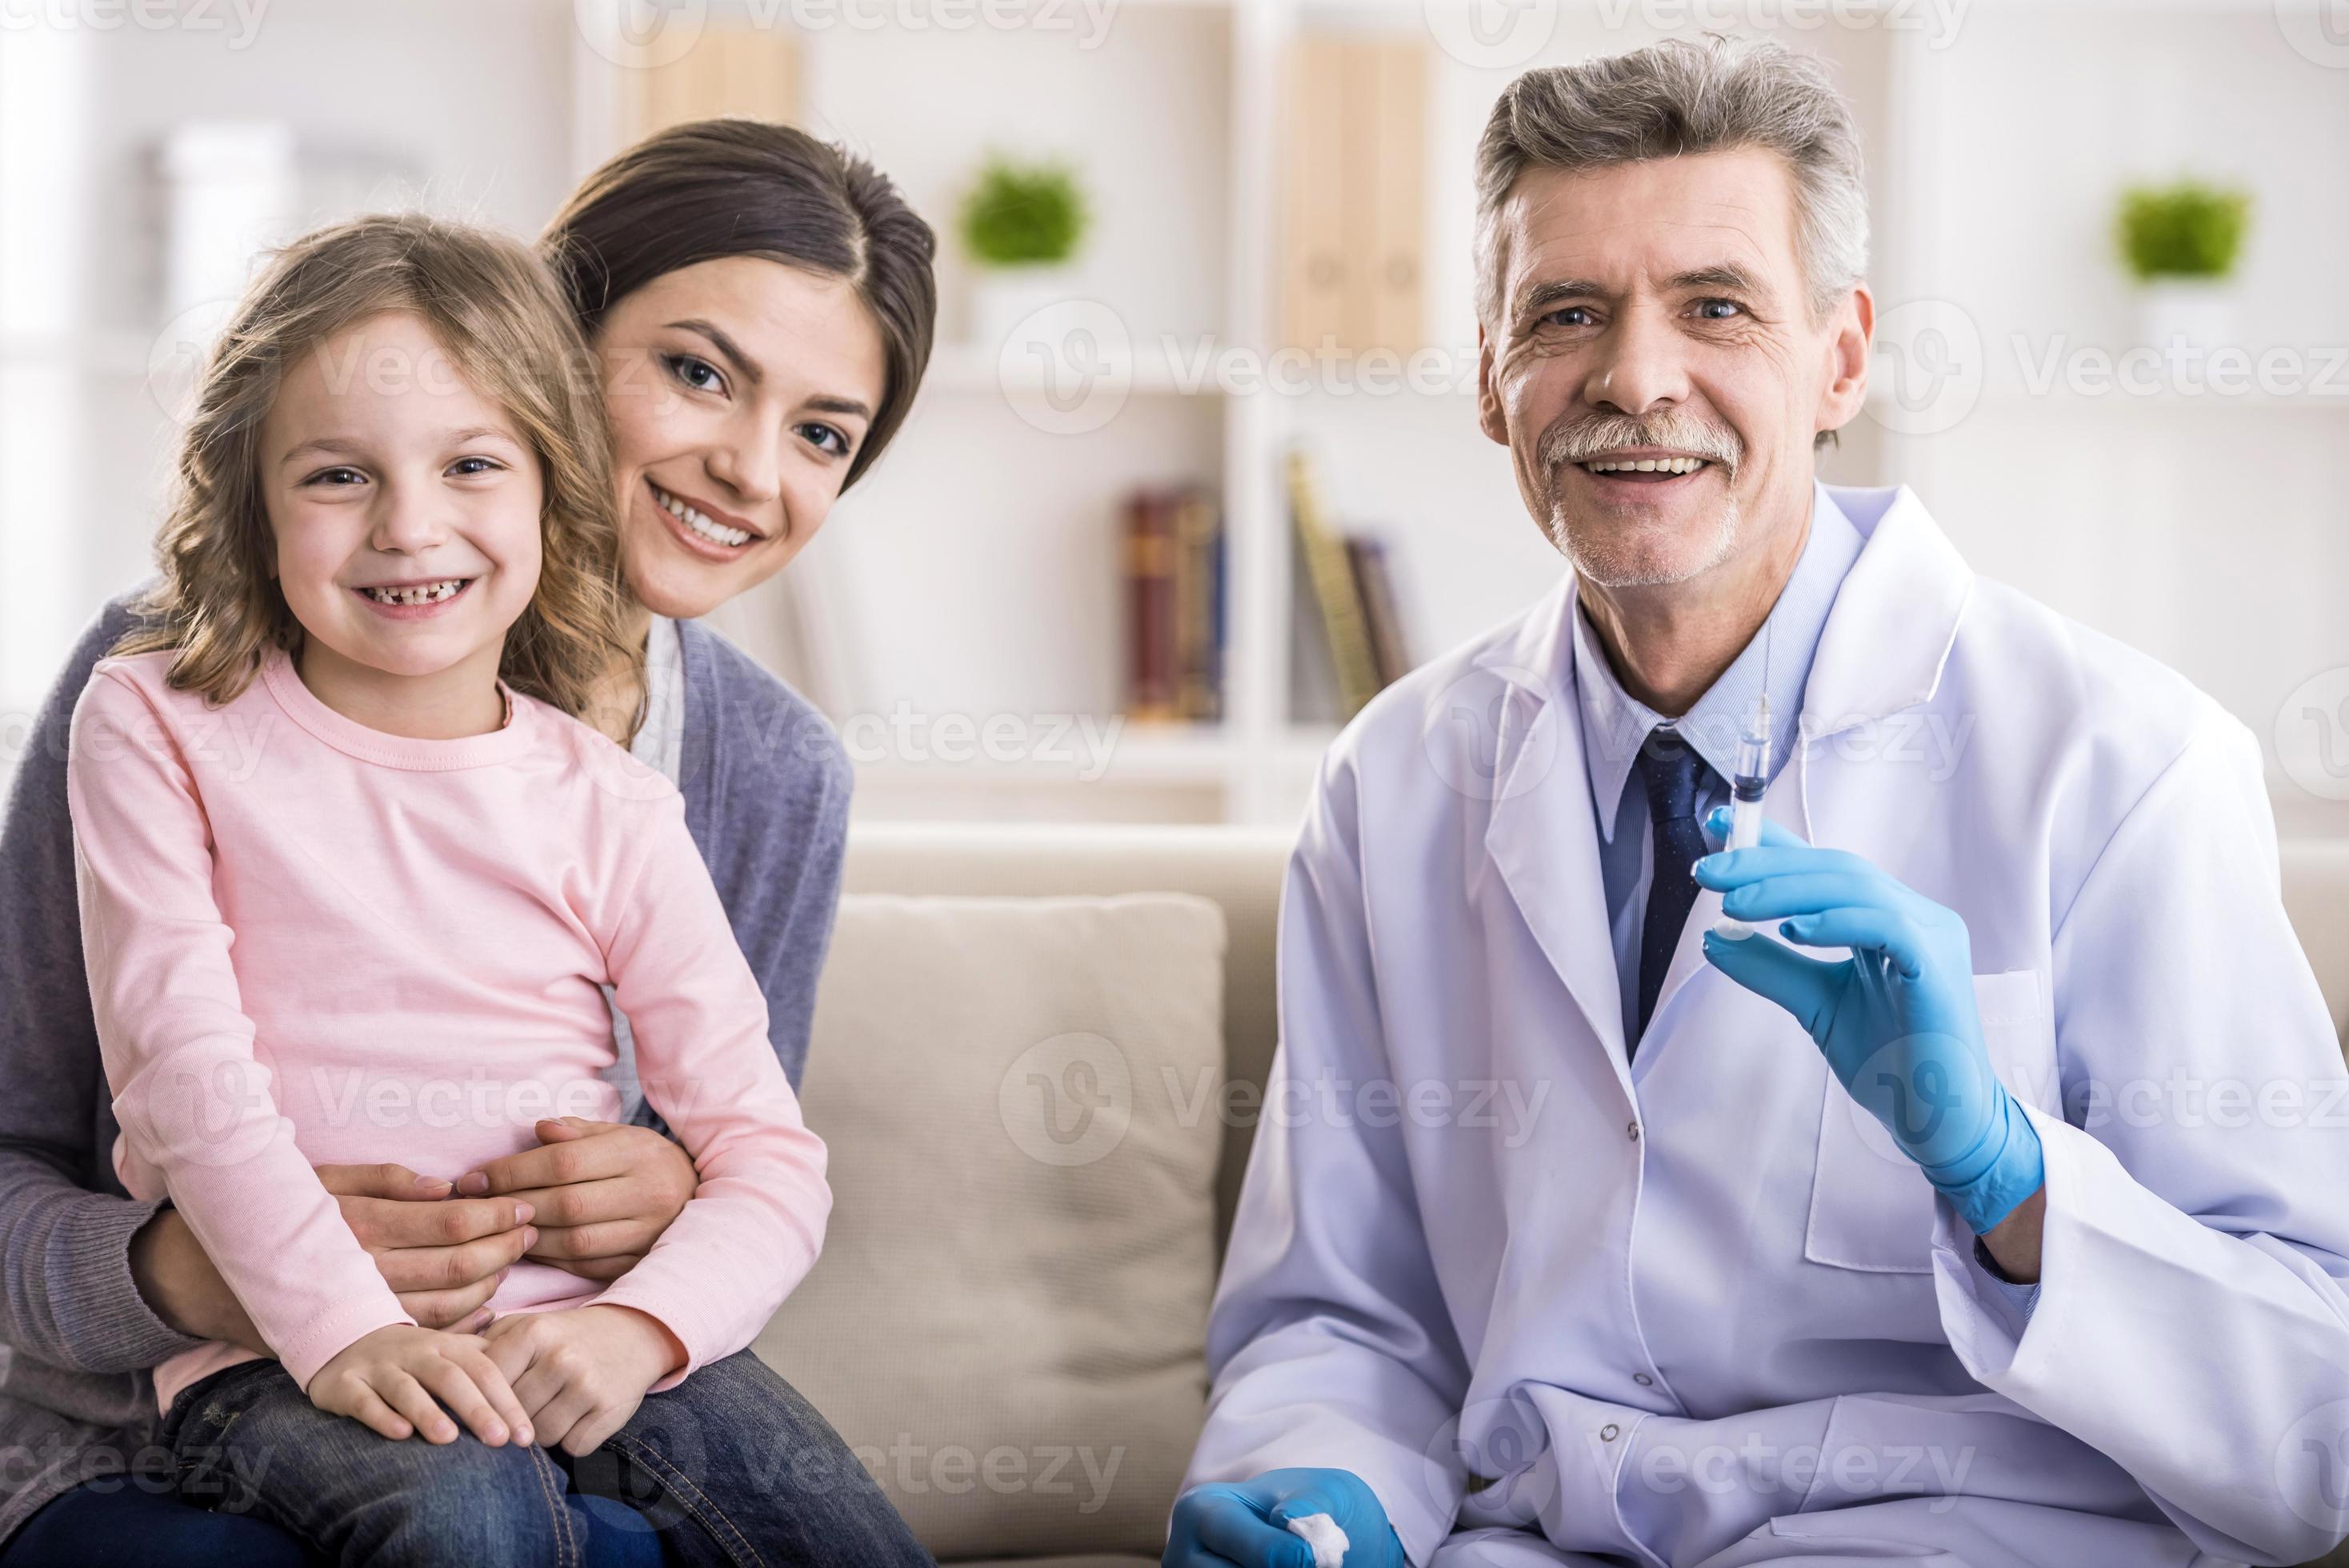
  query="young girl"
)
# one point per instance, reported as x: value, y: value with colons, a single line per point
x: 352, y: 877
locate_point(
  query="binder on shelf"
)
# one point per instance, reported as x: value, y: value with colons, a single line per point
x: 738, y: 68
x: 1315, y: 262
x: 1395, y: 143
x: 1355, y: 210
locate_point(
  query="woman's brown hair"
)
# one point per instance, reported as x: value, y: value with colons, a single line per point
x: 717, y: 188
x: 493, y: 308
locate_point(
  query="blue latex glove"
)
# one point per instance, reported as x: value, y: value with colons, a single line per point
x: 1246, y: 1522
x: 1896, y: 1020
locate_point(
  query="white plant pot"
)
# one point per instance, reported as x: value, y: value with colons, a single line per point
x: 1002, y: 298
x: 2197, y: 312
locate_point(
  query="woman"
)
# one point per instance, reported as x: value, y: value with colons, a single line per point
x: 762, y: 306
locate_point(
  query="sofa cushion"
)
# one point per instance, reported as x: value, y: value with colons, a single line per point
x: 1007, y: 1322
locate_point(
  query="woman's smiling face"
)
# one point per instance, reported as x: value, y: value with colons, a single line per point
x: 739, y: 391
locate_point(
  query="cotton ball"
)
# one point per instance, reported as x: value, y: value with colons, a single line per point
x: 1321, y: 1533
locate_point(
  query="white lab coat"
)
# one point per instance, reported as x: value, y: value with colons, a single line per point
x: 1694, y: 1307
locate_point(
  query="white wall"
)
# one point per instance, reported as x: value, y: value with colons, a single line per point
x: 473, y: 94
x: 2207, y: 531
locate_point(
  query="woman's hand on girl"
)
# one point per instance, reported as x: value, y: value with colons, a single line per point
x: 391, y: 1377
x: 605, y: 1190
x: 444, y: 1258
x: 582, y: 1372
x: 442, y: 1255
x: 181, y: 1286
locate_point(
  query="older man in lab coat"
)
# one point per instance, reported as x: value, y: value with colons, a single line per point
x: 1990, y: 1204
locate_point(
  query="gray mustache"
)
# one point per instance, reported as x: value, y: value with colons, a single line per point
x: 1587, y: 438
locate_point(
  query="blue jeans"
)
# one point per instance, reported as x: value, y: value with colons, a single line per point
x: 731, y: 1466
x: 122, y: 1521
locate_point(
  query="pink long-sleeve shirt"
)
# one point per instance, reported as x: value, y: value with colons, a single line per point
x: 311, y: 942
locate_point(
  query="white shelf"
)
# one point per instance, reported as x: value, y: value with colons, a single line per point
x: 1187, y: 772
x: 1221, y: 370
x: 974, y: 369
x: 1105, y: 748
x: 1139, y: 751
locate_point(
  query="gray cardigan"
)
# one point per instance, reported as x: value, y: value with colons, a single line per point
x: 766, y: 788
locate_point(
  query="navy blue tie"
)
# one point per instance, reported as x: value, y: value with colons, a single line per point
x: 1673, y: 776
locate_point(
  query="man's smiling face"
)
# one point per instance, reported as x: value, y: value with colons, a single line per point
x: 1654, y: 365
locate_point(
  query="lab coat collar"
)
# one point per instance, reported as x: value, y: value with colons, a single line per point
x: 1889, y: 634
x: 1542, y: 841
x: 1886, y: 642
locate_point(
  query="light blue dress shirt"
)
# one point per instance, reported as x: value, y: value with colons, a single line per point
x: 1615, y: 724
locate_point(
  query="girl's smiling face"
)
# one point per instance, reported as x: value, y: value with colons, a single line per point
x: 738, y: 390
x: 404, y: 508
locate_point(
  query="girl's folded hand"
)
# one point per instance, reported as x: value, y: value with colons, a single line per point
x: 581, y: 1373
x: 389, y: 1379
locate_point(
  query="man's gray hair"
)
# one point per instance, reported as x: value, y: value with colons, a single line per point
x: 1677, y: 97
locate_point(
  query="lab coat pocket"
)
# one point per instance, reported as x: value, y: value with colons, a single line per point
x: 1871, y: 1208
x: 2020, y: 1030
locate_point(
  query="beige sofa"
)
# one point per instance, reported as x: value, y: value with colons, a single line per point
x: 1037, y: 1058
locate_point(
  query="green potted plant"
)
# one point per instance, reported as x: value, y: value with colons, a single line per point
x: 1022, y: 224
x: 2181, y: 242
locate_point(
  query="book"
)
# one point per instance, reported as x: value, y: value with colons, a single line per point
x: 1331, y: 576
x: 1150, y: 683
x: 1198, y: 656
x: 1176, y: 611
x: 1373, y: 582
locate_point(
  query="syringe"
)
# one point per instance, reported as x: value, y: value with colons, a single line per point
x: 1753, y: 776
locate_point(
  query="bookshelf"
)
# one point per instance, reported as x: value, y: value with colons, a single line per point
x: 1253, y: 104
x: 974, y: 576
x: 1201, y: 252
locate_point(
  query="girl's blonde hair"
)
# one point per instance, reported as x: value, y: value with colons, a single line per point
x: 496, y: 312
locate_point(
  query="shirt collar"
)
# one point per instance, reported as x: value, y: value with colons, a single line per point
x: 1615, y: 723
